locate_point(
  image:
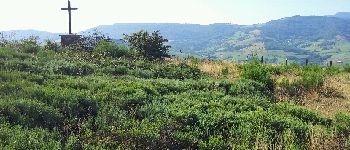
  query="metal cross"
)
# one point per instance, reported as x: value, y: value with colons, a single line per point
x: 70, y: 15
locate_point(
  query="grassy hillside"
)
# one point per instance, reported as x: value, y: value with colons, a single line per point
x: 54, y: 98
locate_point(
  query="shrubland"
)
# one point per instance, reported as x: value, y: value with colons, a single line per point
x: 113, y: 97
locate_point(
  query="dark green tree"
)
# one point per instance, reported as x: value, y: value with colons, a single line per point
x: 151, y: 46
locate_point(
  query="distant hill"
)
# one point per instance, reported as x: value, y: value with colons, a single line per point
x: 307, y: 28
x: 20, y: 34
x: 317, y: 38
x: 186, y: 37
x: 343, y: 15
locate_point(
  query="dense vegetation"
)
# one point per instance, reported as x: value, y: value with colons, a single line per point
x: 114, y: 97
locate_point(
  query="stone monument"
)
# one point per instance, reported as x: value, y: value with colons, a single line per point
x: 70, y: 39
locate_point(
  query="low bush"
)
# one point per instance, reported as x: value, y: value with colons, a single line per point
x: 180, y: 71
x: 110, y: 49
x: 20, y: 65
x: 71, y: 103
x: 30, y: 113
x: 342, y: 124
x: 70, y: 68
x: 246, y: 87
x: 9, y: 53
x: 347, y: 68
x: 304, y: 114
x: 258, y: 72
x: 52, y: 45
x: 17, y: 137
x: 308, y: 81
x: 29, y: 45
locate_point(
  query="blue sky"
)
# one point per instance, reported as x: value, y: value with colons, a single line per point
x: 46, y: 14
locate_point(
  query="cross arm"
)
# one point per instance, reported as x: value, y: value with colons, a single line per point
x: 69, y: 9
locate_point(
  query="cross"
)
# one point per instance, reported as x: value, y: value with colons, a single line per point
x: 70, y: 15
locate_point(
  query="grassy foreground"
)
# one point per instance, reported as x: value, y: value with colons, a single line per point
x: 66, y: 99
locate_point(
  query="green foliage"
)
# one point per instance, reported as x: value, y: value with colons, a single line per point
x: 73, y: 143
x: 52, y: 45
x: 110, y: 49
x: 283, y: 69
x: 151, y: 46
x: 29, y: 45
x: 9, y: 53
x: 79, y: 100
x: 258, y: 72
x: 310, y: 79
x: 225, y: 71
x: 16, y: 137
x: 302, y: 113
x: 245, y: 87
x: 180, y: 71
x: 90, y: 40
x: 30, y: 113
x: 342, y: 124
x: 70, y: 68
x: 71, y: 103
x: 347, y: 68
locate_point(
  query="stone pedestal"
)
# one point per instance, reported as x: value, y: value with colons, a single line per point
x: 70, y: 40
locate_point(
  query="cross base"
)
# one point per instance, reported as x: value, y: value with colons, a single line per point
x: 70, y: 40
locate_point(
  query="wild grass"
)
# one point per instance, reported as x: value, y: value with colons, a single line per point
x: 109, y: 99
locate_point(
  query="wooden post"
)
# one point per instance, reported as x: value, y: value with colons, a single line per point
x: 286, y: 61
x: 262, y: 59
x: 330, y: 63
x: 307, y: 62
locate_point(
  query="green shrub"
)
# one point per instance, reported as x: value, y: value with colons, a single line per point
x: 258, y: 72
x: 110, y: 49
x: 52, y: 45
x: 180, y: 71
x: 225, y: 71
x: 246, y: 87
x: 347, y: 68
x: 8, y: 88
x: 30, y: 113
x: 16, y: 137
x: 308, y: 81
x: 119, y: 70
x: 29, y: 45
x: 71, y: 103
x: 342, y: 124
x: 10, y: 54
x: 20, y: 65
x: 311, y: 80
x: 302, y: 113
x: 214, y: 142
x: 332, y: 70
x: 70, y: 68
x: 146, y: 74
x: 73, y: 143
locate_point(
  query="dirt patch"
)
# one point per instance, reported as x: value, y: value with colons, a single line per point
x: 329, y: 106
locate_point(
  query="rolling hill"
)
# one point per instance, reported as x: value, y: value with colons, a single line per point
x: 317, y: 38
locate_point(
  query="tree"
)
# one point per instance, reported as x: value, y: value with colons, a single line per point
x: 150, y: 46
x: 89, y: 41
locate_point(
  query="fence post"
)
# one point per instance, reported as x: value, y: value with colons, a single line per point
x: 330, y: 63
x: 262, y: 59
x: 307, y: 62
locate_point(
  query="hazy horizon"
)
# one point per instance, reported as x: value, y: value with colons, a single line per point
x: 46, y: 15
